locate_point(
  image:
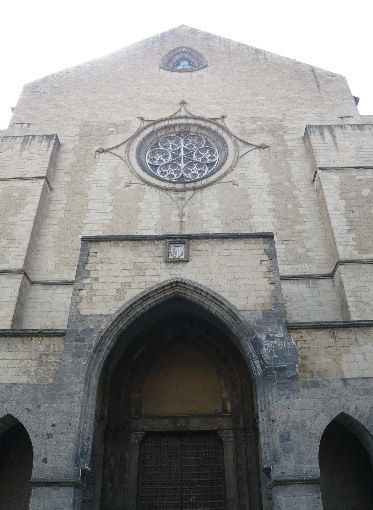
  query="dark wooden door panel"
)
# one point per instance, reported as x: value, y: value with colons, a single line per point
x: 181, y: 471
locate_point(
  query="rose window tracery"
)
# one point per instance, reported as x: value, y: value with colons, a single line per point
x: 182, y: 157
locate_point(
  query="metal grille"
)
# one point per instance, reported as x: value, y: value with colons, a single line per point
x: 181, y: 471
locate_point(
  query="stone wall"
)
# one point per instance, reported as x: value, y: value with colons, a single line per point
x: 240, y: 270
x: 334, y: 353
x: 96, y: 194
x: 26, y: 171
x: 83, y: 239
x: 311, y: 299
x: 10, y: 284
x: 29, y: 359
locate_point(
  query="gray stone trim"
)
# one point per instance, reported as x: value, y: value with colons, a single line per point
x: 165, y: 237
x: 57, y: 482
x: 339, y: 169
x: 330, y: 324
x: 16, y: 271
x: 305, y: 276
x: 339, y: 126
x: 51, y: 137
x: 364, y: 167
x: 52, y: 282
x: 43, y: 177
x: 351, y: 261
x: 36, y: 282
x: 325, y: 275
x: 32, y: 332
x: 302, y: 480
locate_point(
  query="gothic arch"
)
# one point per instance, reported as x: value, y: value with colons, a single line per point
x: 16, y: 462
x: 157, y: 304
x: 345, y: 459
x: 359, y: 430
x: 361, y: 416
x: 201, y: 296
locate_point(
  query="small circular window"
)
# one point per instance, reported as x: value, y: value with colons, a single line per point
x: 182, y: 153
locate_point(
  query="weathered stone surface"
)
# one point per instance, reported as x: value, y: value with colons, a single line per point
x: 284, y: 236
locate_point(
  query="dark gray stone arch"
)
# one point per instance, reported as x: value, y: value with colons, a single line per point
x: 6, y: 422
x: 359, y: 430
x: 210, y: 302
x: 346, y: 467
x: 16, y: 464
x: 236, y: 359
x: 358, y: 419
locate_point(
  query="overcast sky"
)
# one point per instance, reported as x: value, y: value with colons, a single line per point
x: 39, y: 37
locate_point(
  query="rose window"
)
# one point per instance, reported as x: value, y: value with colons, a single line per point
x: 182, y: 157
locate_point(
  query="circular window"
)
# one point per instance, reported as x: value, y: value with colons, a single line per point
x: 182, y: 153
x: 182, y: 157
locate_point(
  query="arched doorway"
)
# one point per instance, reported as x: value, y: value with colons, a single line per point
x: 346, y: 475
x: 176, y: 423
x: 16, y: 459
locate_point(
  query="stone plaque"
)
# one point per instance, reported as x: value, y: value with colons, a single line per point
x: 177, y: 250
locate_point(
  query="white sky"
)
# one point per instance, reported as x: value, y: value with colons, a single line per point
x: 40, y: 37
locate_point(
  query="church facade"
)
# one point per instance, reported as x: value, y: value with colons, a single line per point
x: 186, y: 284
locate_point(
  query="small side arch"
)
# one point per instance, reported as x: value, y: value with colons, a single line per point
x: 345, y: 458
x: 359, y: 431
x: 359, y: 414
x: 174, y: 289
x: 16, y: 462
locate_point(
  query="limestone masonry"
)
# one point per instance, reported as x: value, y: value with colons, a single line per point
x: 186, y: 284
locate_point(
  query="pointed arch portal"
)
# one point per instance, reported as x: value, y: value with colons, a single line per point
x: 16, y: 459
x: 176, y: 423
x: 346, y: 474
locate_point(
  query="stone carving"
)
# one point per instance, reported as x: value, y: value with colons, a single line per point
x: 177, y: 250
